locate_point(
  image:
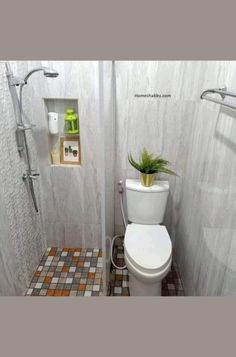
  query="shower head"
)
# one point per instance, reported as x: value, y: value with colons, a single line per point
x: 48, y: 72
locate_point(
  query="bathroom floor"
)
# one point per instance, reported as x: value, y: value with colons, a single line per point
x: 68, y: 272
x: 171, y: 285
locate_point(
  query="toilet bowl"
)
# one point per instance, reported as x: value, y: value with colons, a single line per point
x: 148, y: 256
x: 147, y: 245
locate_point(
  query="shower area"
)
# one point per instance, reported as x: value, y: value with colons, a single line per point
x: 59, y: 192
x: 51, y: 211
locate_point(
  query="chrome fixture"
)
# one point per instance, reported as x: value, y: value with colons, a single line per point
x: 223, y: 93
x: 16, y: 81
x: 22, y: 125
x: 51, y: 73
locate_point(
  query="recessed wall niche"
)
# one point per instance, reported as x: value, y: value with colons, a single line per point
x: 57, y: 134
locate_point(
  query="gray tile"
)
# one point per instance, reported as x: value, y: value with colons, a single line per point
x: 74, y: 286
x: 60, y: 286
x: 45, y: 286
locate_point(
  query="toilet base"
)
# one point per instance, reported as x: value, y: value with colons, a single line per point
x: 139, y: 288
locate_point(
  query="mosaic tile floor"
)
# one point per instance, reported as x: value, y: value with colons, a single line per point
x: 119, y: 279
x: 68, y: 272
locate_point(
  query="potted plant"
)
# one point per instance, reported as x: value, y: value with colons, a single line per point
x: 75, y: 152
x: 148, y: 166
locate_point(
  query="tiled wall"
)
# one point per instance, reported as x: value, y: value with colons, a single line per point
x: 199, y: 138
x: 71, y: 202
x: 22, y: 239
x: 69, y: 198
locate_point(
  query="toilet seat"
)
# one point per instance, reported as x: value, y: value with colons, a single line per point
x: 148, y: 248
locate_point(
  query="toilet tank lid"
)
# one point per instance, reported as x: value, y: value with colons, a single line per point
x: 135, y: 185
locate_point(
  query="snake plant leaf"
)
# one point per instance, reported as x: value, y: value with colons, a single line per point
x: 168, y: 171
x: 133, y: 163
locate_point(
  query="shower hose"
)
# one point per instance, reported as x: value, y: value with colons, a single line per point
x: 125, y: 224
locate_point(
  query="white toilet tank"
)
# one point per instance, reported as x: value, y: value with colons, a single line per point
x: 146, y: 205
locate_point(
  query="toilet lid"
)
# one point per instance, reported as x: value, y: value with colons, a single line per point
x: 148, y: 246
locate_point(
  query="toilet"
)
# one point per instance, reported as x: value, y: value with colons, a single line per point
x: 147, y: 244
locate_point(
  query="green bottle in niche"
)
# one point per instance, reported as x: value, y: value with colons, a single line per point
x: 71, y: 122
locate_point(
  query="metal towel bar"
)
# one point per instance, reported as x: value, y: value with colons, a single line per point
x: 223, y: 93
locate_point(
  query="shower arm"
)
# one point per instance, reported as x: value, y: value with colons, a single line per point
x: 24, y: 82
x: 47, y: 73
x: 31, y: 72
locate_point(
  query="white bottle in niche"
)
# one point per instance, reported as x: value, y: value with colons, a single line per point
x: 53, y: 123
